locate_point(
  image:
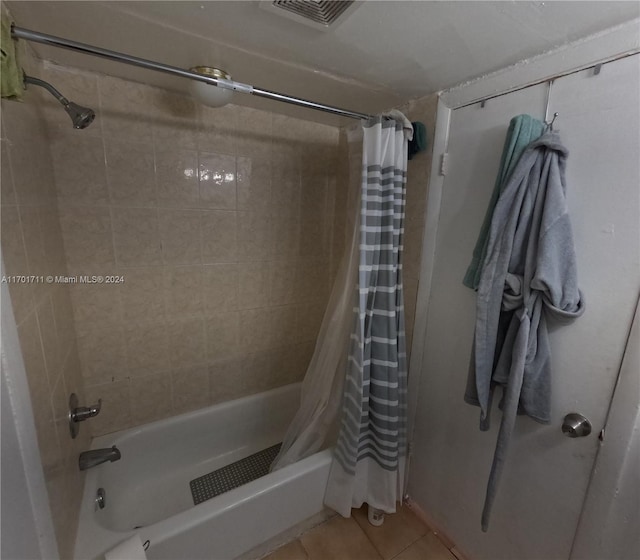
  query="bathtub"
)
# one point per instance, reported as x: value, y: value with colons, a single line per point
x: 148, y: 491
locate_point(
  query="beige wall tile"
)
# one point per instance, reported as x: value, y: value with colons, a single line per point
x: 7, y: 193
x: 190, y: 388
x: 253, y: 285
x: 254, y: 132
x: 136, y: 236
x: 15, y: 261
x: 96, y: 304
x: 63, y: 314
x: 254, y: 236
x: 217, y: 175
x: 183, y: 291
x: 308, y: 320
x: 180, y: 234
x: 286, y: 235
x: 175, y: 120
x: 224, y: 380
x: 54, y: 257
x: 284, y: 328
x: 284, y: 366
x: 255, y: 329
x: 312, y: 278
x: 74, y: 383
x: 142, y: 295
x: 52, y: 350
x: 116, y: 409
x: 219, y: 287
x: 217, y: 129
x: 222, y: 333
x: 283, y: 282
x: 80, y: 170
x: 150, y: 398
x: 41, y: 391
x: 255, y: 372
x: 186, y: 342
x: 102, y: 354
x: 34, y: 240
x: 302, y: 357
x: 285, y: 183
x: 126, y: 109
x: 177, y: 178
x: 253, y: 180
x: 88, y: 239
x: 31, y: 171
x: 131, y: 173
x: 147, y: 348
x: 219, y: 236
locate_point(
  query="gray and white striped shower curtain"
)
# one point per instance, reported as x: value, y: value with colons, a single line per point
x: 370, y: 454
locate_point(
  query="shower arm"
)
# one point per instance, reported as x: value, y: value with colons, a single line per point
x: 46, y: 85
x: 51, y: 40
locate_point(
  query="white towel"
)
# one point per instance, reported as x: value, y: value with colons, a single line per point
x: 131, y: 549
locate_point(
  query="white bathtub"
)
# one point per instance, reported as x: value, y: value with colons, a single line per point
x: 149, y: 487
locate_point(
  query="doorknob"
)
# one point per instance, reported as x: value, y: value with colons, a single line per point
x: 576, y: 425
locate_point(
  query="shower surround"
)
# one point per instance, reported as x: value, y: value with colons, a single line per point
x: 224, y: 225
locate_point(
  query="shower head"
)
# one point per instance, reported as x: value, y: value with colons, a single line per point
x: 81, y: 117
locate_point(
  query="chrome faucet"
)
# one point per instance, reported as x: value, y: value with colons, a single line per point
x: 95, y: 457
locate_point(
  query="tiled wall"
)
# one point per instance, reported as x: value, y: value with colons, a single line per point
x: 221, y: 222
x: 32, y: 245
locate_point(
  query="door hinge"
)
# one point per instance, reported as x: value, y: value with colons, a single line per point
x: 601, y: 435
x: 444, y: 161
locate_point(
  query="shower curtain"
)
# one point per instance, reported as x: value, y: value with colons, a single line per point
x: 370, y: 453
x: 355, y: 386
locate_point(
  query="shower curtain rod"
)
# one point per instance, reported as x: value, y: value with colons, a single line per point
x: 51, y: 40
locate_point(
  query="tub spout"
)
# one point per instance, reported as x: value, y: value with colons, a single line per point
x: 95, y: 457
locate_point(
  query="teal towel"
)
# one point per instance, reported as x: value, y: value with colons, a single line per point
x: 523, y: 130
x: 420, y: 141
x: 11, y: 78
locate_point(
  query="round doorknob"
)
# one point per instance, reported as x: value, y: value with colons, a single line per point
x: 576, y: 425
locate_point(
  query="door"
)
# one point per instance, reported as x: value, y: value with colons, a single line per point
x: 546, y: 477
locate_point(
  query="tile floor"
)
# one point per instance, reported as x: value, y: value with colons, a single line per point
x: 402, y: 537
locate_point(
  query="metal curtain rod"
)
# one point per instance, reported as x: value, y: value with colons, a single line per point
x: 596, y: 67
x: 37, y: 37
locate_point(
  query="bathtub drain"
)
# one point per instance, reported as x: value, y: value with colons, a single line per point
x: 233, y: 475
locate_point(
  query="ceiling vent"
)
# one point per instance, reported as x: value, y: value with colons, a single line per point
x: 320, y: 14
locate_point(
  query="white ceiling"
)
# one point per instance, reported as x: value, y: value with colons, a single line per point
x: 381, y: 55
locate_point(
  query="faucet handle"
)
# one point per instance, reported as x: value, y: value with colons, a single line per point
x: 80, y: 413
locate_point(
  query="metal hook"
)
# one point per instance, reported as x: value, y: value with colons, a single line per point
x: 550, y: 124
x: 546, y: 110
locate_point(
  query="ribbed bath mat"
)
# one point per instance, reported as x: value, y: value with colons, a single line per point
x: 236, y: 474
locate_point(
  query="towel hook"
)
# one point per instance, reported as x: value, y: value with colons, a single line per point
x: 546, y: 109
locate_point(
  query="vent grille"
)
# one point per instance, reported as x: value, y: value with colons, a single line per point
x: 324, y: 12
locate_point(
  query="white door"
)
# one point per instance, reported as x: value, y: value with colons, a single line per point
x: 543, y: 487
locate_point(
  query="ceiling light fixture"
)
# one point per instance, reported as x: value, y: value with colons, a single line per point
x: 208, y: 94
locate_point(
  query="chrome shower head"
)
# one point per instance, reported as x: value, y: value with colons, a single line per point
x: 81, y: 117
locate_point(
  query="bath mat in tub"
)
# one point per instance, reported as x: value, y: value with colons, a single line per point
x: 236, y: 474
